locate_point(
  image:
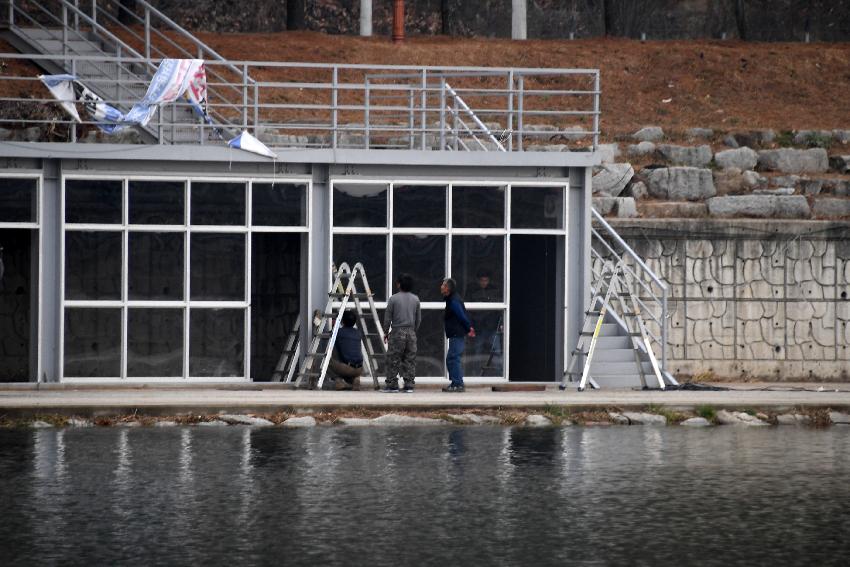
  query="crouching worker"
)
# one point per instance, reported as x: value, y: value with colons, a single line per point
x: 347, y: 360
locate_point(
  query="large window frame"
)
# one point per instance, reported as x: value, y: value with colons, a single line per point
x: 186, y: 304
x: 35, y: 342
x: 449, y: 231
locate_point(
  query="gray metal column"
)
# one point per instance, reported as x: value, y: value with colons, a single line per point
x: 316, y: 270
x: 366, y: 18
x: 518, y: 19
x: 578, y: 253
x: 51, y: 299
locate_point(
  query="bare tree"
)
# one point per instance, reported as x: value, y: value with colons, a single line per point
x: 628, y: 17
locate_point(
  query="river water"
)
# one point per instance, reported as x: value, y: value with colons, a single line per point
x: 425, y: 496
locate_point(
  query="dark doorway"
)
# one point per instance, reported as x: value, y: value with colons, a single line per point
x: 534, y: 307
x: 18, y: 305
x: 275, y: 297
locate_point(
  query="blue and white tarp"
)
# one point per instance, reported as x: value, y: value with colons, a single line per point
x: 249, y: 143
x: 174, y: 78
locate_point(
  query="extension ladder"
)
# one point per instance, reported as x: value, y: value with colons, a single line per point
x: 615, y: 295
x: 343, y: 292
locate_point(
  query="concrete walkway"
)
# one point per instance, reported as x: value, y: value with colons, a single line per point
x: 23, y: 400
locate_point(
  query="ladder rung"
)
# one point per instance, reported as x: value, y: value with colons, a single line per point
x: 371, y: 335
x: 353, y: 295
x: 594, y: 313
x: 309, y: 374
x: 324, y: 335
x: 315, y: 354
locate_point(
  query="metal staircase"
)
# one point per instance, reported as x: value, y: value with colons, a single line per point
x: 620, y: 361
x: 116, y: 62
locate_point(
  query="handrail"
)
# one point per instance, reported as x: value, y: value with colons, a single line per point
x: 475, y: 118
x: 655, y: 303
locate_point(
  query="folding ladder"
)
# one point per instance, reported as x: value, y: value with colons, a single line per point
x: 495, y: 350
x: 286, y: 364
x: 343, y: 292
x: 615, y: 295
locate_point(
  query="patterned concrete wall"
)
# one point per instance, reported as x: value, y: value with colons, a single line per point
x: 749, y: 298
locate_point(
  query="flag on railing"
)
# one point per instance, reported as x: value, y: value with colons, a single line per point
x: 174, y: 78
x: 249, y: 143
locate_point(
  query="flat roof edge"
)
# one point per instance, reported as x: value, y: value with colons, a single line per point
x: 54, y: 150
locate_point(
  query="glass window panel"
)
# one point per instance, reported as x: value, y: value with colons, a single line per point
x: 92, y: 343
x: 424, y: 258
x: 483, y: 355
x: 478, y: 207
x: 371, y: 251
x: 218, y: 203
x: 477, y: 266
x: 360, y: 204
x: 275, y: 297
x: 430, y: 343
x: 537, y: 207
x: 156, y: 202
x: 216, y: 342
x: 154, y: 342
x: 279, y: 204
x: 217, y: 267
x: 93, y: 201
x: 92, y: 265
x: 155, y: 265
x: 416, y: 206
x: 18, y: 200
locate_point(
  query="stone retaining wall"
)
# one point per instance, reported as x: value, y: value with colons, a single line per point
x: 763, y: 299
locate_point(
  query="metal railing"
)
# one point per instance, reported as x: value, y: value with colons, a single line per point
x: 99, y: 28
x: 650, y: 291
x: 316, y: 105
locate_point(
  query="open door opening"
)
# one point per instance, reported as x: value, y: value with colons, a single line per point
x: 536, y: 312
x: 275, y: 298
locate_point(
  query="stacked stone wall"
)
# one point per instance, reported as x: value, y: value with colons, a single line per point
x: 752, y: 298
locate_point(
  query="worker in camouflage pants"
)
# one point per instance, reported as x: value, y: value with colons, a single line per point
x: 401, y: 321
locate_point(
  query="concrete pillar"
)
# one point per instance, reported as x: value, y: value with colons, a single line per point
x: 366, y: 18
x: 518, y: 20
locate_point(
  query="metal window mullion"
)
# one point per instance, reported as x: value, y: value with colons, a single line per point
x: 219, y: 229
x: 506, y: 322
x: 187, y: 242
x: 565, y: 210
x: 125, y: 266
x: 415, y: 231
x: 246, y: 366
x: 156, y: 228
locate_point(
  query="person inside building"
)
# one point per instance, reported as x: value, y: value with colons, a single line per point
x: 486, y: 346
x: 458, y: 326
x: 347, y: 361
x: 401, y: 321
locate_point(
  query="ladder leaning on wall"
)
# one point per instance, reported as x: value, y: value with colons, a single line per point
x: 350, y: 286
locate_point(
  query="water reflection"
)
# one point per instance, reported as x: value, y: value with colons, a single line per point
x: 425, y: 496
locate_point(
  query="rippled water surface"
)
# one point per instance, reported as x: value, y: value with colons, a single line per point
x: 425, y: 496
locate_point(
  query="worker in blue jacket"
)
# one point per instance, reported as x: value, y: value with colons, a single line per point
x: 458, y: 326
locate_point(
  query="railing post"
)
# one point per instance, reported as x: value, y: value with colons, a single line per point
x: 244, y: 97
x: 64, y: 36
x: 148, y: 33
x: 74, y: 124
x: 664, y: 323
x: 11, y: 13
x: 455, y: 126
x: 334, y: 104
x: 366, y: 95
x: 596, y: 111
x: 411, y: 118
x: 159, y: 129
x: 94, y: 11
x: 442, y: 113
x: 424, y: 107
x: 510, y: 120
x: 77, y: 15
x: 520, y: 104
x: 256, y: 109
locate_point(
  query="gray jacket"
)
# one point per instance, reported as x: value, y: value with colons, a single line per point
x: 402, y: 311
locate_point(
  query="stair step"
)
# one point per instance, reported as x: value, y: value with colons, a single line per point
x: 615, y: 355
x: 616, y: 342
x: 623, y: 381
x: 608, y: 368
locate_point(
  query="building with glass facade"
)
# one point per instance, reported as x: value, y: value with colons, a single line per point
x: 172, y: 264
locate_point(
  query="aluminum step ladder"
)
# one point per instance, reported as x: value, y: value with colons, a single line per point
x: 350, y: 287
x: 613, y: 295
x: 495, y: 351
x: 286, y: 364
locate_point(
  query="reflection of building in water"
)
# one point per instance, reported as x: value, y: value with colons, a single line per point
x: 191, y: 266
